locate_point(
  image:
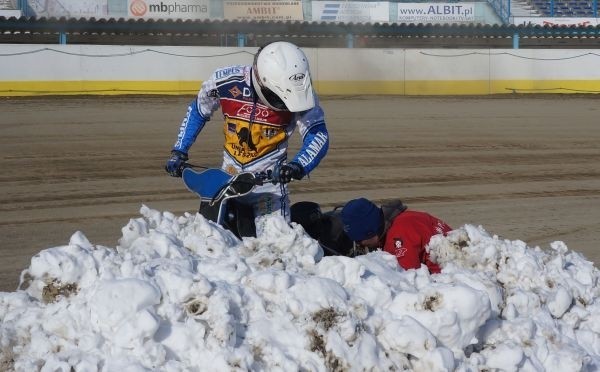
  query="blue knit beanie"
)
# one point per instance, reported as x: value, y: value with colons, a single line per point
x: 362, y: 219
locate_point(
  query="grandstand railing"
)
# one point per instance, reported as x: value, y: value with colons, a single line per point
x: 298, y: 30
x: 502, y: 8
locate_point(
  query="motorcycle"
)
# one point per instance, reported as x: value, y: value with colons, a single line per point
x: 219, y: 190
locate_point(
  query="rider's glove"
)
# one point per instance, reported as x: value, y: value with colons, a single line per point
x: 176, y: 163
x: 284, y: 173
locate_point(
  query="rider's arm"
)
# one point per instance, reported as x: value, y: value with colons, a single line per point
x: 315, y: 138
x: 191, y: 125
x: 198, y: 113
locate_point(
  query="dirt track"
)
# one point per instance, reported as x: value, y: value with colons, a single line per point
x: 523, y: 167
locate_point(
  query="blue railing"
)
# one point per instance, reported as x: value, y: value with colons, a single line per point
x: 502, y: 8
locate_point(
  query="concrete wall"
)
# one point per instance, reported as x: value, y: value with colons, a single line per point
x: 97, y: 69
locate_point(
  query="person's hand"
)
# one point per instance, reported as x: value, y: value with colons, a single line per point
x: 283, y: 173
x: 176, y: 163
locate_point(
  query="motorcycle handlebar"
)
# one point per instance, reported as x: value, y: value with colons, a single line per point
x: 260, y: 178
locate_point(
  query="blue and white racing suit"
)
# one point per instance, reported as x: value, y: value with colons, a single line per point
x: 256, y: 137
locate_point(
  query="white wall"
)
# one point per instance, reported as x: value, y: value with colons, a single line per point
x: 97, y: 69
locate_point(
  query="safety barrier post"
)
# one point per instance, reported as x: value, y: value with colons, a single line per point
x: 349, y: 41
x: 62, y: 38
x: 241, y: 38
x: 24, y: 8
x: 516, y: 41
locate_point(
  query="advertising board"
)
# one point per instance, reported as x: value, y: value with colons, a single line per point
x: 436, y: 12
x: 160, y: 9
x: 263, y: 10
x: 355, y: 11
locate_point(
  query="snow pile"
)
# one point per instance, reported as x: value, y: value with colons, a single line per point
x: 181, y: 294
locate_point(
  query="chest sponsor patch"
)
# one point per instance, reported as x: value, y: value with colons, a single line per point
x: 246, y: 143
x: 399, y: 250
x: 258, y: 113
x: 231, y: 128
x: 235, y: 92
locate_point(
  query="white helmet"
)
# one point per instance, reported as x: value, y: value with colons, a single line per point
x: 281, y: 77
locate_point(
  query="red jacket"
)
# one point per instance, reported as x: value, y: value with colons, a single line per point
x: 407, y: 234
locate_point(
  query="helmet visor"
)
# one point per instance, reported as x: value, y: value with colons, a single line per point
x: 272, y: 98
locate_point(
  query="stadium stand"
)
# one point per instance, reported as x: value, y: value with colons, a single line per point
x: 7, y: 4
x: 218, y: 30
x: 523, y: 8
x: 565, y: 8
x: 310, y: 34
x: 9, y: 8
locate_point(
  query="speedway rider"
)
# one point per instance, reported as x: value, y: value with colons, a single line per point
x: 262, y: 104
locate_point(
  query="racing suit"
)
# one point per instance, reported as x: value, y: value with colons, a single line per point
x: 256, y: 136
x: 407, y: 233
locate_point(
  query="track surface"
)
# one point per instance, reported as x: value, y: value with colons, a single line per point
x: 523, y: 167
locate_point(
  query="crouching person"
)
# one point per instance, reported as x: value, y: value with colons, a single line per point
x: 395, y: 229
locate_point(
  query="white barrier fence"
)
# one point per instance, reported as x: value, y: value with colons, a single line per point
x: 98, y: 69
